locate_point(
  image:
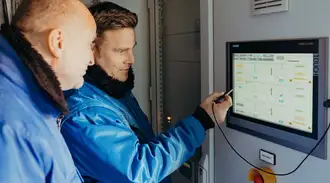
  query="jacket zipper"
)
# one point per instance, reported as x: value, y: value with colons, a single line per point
x: 59, y: 121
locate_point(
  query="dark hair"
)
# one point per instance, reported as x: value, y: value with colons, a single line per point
x: 110, y: 16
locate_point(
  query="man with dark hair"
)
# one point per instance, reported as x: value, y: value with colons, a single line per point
x: 109, y: 136
x: 41, y: 54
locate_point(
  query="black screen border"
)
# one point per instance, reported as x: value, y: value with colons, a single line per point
x: 275, y: 46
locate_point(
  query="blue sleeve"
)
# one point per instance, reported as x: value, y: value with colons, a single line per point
x: 105, y: 148
x: 20, y: 159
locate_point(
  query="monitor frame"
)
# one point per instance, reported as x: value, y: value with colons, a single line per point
x: 285, y: 136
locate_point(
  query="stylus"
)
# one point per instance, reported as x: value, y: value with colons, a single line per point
x: 222, y: 97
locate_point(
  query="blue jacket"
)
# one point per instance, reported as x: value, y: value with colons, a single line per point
x: 32, y: 149
x: 111, y: 140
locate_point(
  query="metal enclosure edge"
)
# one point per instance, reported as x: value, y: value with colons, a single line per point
x: 155, y: 46
x: 207, y: 76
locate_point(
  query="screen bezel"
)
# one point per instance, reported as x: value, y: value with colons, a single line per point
x: 276, y: 46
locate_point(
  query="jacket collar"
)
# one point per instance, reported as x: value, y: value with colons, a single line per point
x: 98, y: 77
x: 41, y: 71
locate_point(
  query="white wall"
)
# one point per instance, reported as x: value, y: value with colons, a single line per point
x: 233, y: 22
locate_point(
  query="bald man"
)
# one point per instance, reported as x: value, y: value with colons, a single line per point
x: 46, y: 50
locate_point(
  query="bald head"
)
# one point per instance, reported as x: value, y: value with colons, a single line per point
x: 41, y: 15
x: 62, y: 32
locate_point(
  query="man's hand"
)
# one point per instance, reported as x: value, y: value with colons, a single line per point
x: 220, y: 109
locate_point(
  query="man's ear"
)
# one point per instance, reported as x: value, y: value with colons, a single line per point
x: 55, y: 43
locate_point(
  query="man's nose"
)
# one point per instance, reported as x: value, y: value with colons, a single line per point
x: 131, y: 59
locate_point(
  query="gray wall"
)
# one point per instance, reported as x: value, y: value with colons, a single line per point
x: 181, y: 58
x: 181, y: 61
x: 234, y: 22
x: 1, y: 13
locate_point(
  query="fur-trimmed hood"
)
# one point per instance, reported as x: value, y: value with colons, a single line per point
x: 98, y: 77
x: 42, y: 72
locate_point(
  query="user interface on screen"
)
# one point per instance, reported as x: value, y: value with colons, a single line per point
x: 276, y: 88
